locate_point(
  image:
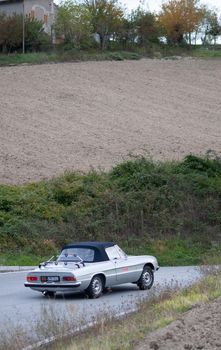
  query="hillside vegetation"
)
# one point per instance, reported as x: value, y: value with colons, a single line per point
x: 172, y: 210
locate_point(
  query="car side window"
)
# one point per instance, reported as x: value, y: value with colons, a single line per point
x: 121, y: 252
x: 112, y: 253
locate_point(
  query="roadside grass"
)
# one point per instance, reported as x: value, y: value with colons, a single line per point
x: 29, y: 58
x: 13, y: 259
x: 207, y: 53
x: 152, y: 314
x: 171, y: 210
x: 66, y: 56
x: 174, y: 252
x: 66, y: 332
x: 60, y: 54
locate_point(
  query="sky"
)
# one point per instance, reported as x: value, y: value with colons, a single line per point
x: 154, y: 5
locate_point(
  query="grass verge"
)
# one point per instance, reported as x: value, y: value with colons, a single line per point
x: 172, y: 252
x: 207, y: 53
x: 151, y: 315
x: 75, y: 55
x: 66, y: 56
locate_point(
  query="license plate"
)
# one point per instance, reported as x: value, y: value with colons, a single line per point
x: 50, y: 278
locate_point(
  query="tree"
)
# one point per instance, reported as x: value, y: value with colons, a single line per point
x: 35, y: 36
x: 211, y: 26
x: 10, y: 32
x: 147, y: 27
x: 73, y: 21
x: 181, y: 18
x: 126, y: 35
x: 107, y: 18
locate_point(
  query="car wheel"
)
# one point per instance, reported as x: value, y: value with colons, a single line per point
x: 95, y: 288
x: 146, y: 279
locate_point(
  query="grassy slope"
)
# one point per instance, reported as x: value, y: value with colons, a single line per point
x: 171, y: 210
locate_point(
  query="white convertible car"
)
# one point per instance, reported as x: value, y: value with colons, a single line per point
x: 92, y: 267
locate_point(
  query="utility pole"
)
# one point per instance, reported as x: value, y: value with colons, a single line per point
x: 23, y: 28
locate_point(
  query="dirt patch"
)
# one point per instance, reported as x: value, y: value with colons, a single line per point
x: 199, y: 328
x: 75, y: 116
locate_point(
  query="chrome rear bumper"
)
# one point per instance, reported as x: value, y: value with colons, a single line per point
x: 53, y: 285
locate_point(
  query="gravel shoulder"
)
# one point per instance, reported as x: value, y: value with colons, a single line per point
x: 199, y: 328
x: 78, y: 116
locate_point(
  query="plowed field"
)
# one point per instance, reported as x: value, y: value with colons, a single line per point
x: 77, y: 116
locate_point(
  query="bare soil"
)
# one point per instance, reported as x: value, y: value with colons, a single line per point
x: 77, y: 116
x: 199, y: 328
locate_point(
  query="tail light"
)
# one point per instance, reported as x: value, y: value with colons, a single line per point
x: 32, y: 278
x: 69, y: 279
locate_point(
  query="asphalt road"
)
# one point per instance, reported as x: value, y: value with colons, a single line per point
x: 22, y: 306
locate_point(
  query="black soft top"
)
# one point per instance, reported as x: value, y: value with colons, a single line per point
x: 98, y: 247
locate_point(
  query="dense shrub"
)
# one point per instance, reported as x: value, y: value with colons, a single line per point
x: 137, y: 202
x: 11, y: 34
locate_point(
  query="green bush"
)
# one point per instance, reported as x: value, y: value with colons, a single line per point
x: 116, y: 56
x: 137, y: 202
x: 200, y: 166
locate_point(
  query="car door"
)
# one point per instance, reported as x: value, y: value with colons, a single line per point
x: 124, y: 270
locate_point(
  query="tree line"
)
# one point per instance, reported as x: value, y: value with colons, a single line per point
x: 106, y: 24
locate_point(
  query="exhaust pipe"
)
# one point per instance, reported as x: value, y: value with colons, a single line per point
x: 49, y: 294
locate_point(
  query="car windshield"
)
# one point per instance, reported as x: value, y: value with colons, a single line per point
x: 76, y: 255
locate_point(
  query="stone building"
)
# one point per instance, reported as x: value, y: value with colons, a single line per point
x: 43, y: 10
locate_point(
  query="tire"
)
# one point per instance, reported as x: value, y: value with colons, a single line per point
x: 95, y: 288
x: 146, y: 279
